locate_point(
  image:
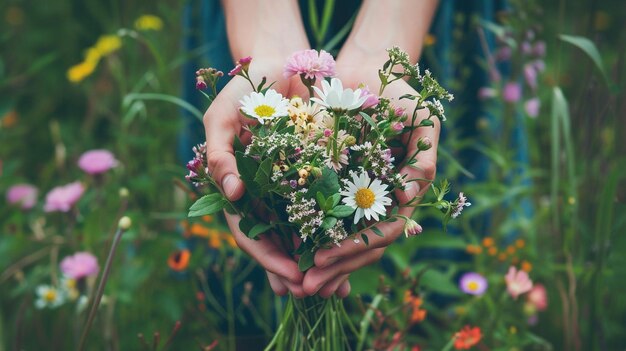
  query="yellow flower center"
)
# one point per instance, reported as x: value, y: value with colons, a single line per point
x: 50, y: 295
x: 472, y: 286
x: 364, y: 198
x: 264, y: 111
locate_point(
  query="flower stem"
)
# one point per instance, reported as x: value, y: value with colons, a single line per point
x: 100, y: 291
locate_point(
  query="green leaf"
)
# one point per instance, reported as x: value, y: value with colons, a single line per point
x: 306, y: 260
x: 439, y: 282
x: 341, y: 211
x: 328, y: 204
x: 328, y: 222
x: 263, y: 173
x: 327, y: 184
x: 259, y: 228
x: 247, y: 168
x: 128, y: 99
x: 246, y: 224
x: 369, y: 119
x: 366, y: 240
x: 589, y: 48
x: 321, y: 200
x: 378, y: 232
x: 208, y: 204
x: 336, y: 198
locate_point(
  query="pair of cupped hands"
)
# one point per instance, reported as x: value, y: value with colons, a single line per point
x: 333, y: 266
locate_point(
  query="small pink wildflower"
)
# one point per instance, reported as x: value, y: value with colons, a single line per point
x: 24, y: 195
x: 517, y: 282
x: 461, y: 203
x: 235, y: 71
x: 530, y: 74
x: 371, y: 100
x: 412, y: 228
x: 397, y: 126
x: 97, y: 161
x: 532, y: 107
x: 310, y: 64
x: 512, y: 92
x: 80, y: 265
x: 62, y: 198
x: 538, y: 297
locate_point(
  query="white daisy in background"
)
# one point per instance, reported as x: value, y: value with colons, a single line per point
x: 264, y: 107
x: 366, y: 196
x: 334, y: 97
x: 48, y: 296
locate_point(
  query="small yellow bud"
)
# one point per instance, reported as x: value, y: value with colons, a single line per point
x: 303, y: 173
x: 301, y: 181
x: 124, y: 192
x: 124, y: 223
x: 276, y: 168
x: 350, y: 140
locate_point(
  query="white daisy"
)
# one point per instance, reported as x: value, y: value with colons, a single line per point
x: 48, y: 296
x: 366, y: 196
x: 334, y: 97
x: 264, y: 107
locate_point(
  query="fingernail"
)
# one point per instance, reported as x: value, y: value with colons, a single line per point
x: 411, y: 190
x: 229, y: 184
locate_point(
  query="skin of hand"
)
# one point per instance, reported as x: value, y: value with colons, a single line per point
x: 359, y: 60
x: 269, y: 43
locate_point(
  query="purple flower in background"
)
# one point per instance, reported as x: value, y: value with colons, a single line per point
x: 473, y: 283
x: 527, y: 49
x: 530, y: 74
x: 24, y: 195
x: 80, y: 265
x: 487, y: 93
x: 512, y: 92
x: 62, y: 198
x: 97, y: 161
x: 539, y: 49
x: 503, y: 53
x: 539, y: 65
x: 532, y: 107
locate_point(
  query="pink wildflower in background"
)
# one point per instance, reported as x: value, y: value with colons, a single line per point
x: 512, y: 92
x: 24, y: 195
x: 532, y: 107
x: 80, y: 265
x: 486, y: 93
x: 538, y: 297
x: 517, y: 282
x: 62, y: 198
x: 97, y: 161
x: 473, y: 283
x: 311, y: 64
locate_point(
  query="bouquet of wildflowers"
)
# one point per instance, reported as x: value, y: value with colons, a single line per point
x: 322, y: 169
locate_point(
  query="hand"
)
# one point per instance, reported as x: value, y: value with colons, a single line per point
x: 335, y: 264
x: 222, y: 123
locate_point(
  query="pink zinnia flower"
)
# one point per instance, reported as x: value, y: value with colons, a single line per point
x: 97, y: 161
x: 532, y: 107
x: 512, y: 92
x: 62, y: 198
x: 80, y: 265
x: 371, y: 100
x: 517, y: 282
x: 473, y: 283
x: 311, y: 64
x: 24, y: 195
x: 538, y: 297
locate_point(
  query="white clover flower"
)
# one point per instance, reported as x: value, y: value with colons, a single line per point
x: 48, y: 296
x: 334, y: 97
x: 366, y: 196
x: 264, y: 107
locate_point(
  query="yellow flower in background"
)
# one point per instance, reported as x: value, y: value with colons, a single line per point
x: 92, y: 55
x: 430, y: 39
x: 107, y: 44
x: 148, y: 22
x: 80, y: 71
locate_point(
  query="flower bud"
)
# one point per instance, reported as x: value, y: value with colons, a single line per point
x: 412, y: 228
x: 424, y: 144
x: 303, y: 173
x: 124, y: 192
x: 301, y: 181
x: 316, y: 172
x: 200, y: 83
x: 350, y: 140
x: 124, y: 223
x: 397, y: 127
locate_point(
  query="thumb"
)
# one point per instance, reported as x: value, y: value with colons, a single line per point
x: 223, y: 168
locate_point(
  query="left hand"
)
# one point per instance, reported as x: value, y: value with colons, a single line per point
x: 333, y: 266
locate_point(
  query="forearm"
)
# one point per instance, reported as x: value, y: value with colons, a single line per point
x: 264, y: 28
x: 384, y: 24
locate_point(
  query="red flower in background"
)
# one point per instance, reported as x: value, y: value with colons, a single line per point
x: 467, y: 337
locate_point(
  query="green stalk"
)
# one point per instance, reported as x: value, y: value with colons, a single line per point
x: 365, y: 322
